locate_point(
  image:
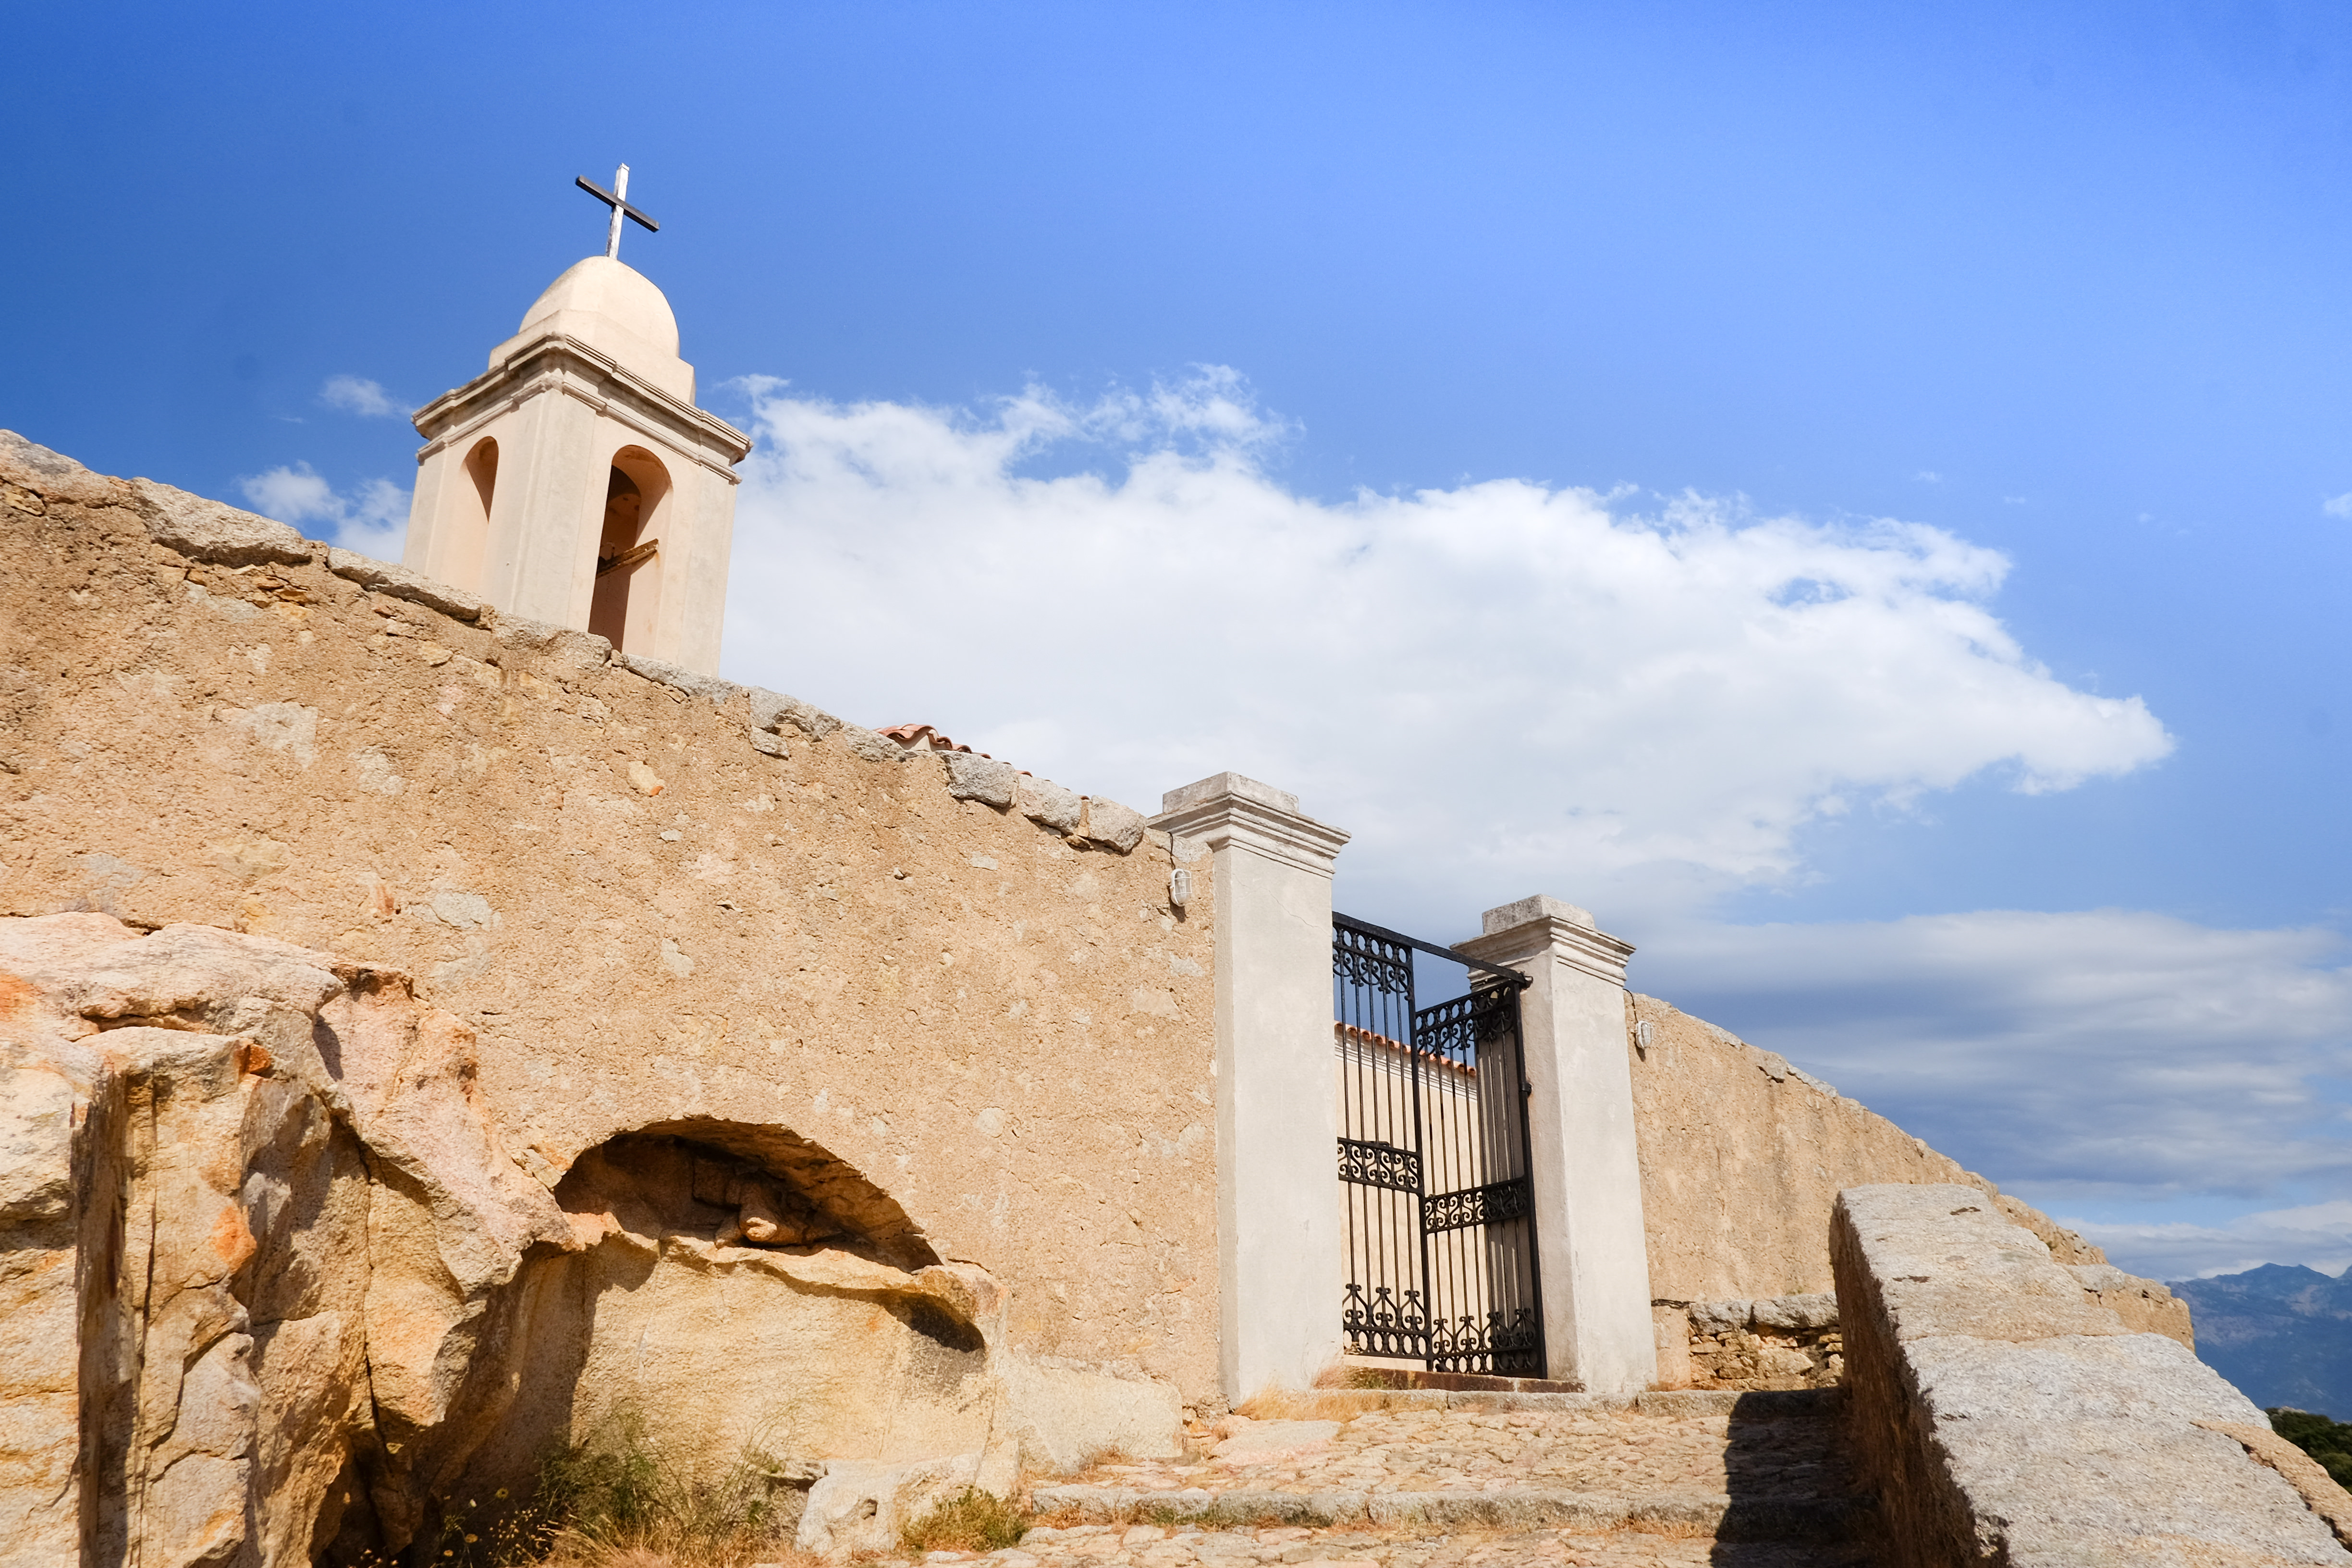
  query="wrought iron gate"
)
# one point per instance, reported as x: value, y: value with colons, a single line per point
x: 1433, y: 1161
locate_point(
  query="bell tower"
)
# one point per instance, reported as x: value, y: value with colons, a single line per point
x: 575, y: 482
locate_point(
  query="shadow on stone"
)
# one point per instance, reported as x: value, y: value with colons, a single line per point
x: 1791, y: 1480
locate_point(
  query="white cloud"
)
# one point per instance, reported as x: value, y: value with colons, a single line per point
x: 1496, y: 687
x: 358, y: 395
x: 1500, y: 688
x: 2318, y: 1235
x: 2104, y: 1053
x: 372, y: 522
x: 1929, y: 476
x: 2340, y: 505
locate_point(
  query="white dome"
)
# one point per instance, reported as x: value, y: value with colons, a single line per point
x: 621, y: 294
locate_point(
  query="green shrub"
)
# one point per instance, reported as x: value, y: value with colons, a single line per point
x: 971, y: 1520
x: 2329, y: 1442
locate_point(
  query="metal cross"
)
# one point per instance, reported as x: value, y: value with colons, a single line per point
x: 614, y: 200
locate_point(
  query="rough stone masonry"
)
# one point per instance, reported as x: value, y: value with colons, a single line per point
x: 429, y: 1033
x: 747, y: 1004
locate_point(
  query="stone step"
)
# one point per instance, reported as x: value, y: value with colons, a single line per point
x: 1773, y: 1404
x: 1641, y: 1546
x: 1419, y: 1471
x: 1718, y: 1515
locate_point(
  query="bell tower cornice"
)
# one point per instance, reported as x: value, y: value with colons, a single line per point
x: 559, y: 362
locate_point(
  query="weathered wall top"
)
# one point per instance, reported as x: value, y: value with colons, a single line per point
x: 1743, y: 1155
x: 655, y: 896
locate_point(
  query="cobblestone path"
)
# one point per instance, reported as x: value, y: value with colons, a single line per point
x: 1427, y: 1479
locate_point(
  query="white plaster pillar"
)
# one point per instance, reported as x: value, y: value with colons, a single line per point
x: 1589, y: 1241
x: 1280, y: 1252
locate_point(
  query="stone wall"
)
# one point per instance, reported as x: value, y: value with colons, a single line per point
x: 657, y: 907
x: 1743, y: 1155
x: 276, y: 1292
x: 1784, y: 1341
x: 1795, y: 1341
x: 2003, y: 1416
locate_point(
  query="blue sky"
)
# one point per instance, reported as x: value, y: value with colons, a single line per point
x: 1153, y: 285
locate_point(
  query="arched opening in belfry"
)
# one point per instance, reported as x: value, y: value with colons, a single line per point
x: 628, y: 551
x: 469, y: 521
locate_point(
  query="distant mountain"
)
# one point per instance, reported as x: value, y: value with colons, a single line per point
x: 2282, y: 1333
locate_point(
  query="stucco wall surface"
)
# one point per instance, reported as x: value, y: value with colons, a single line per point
x: 652, y: 899
x: 1743, y: 1157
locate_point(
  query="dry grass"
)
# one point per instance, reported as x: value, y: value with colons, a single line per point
x: 1218, y: 1516
x: 668, y: 1549
x: 1303, y: 1405
x: 610, y: 1502
x: 971, y: 1520
x: 1065, y: 1518
x: 1092, y: 1471
x: 1340, y: 1374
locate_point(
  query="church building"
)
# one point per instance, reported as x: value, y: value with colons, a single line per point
x: 441, y: 1019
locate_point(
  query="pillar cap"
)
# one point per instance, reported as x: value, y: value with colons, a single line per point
x: 1539, y: 926
x: 1232, y: 810
x: 1540, y: 906
x: 1237, y: 784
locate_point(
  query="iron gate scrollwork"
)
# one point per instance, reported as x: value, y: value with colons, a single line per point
x: 1433, y: 1161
